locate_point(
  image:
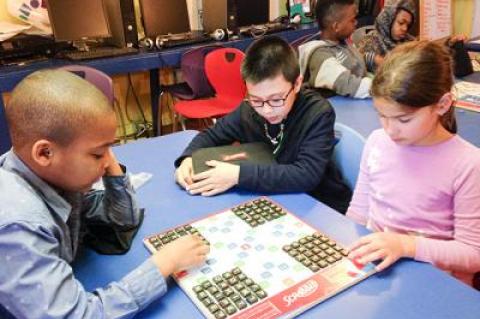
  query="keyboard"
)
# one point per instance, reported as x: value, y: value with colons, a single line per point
x: 97, y: 53
x: 267, y: 28
x: 176, y: 42
x: 273, y: 27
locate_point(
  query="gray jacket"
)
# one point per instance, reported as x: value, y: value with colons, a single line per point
x: 334, y: 66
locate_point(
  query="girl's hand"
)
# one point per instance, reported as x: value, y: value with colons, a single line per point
x: 388, y: 247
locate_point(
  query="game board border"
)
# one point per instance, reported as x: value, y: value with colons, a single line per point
x: 243, y: 314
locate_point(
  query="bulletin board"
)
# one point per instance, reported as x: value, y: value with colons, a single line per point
x: 435, y: 19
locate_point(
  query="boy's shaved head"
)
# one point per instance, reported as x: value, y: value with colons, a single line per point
x: 55, y: 105
x: 328, y: 11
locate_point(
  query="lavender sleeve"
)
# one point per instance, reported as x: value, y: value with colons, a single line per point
x: 462, y: 253
x: 359, y: 206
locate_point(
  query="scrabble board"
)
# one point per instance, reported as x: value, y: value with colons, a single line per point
x: 264, y: 262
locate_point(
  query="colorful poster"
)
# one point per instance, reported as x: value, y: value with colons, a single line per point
x: 435, y: 19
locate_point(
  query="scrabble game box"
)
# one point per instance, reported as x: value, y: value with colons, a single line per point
x: 259, y: 153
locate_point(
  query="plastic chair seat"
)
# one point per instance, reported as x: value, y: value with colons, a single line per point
x: 207, y: 108
x: 347, y: 153
x: 195, y: 83
x: 222, y: 69
x: 180, y: 91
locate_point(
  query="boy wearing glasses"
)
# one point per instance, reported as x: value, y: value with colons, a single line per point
x: 297, y: 124
x: 331, y: 65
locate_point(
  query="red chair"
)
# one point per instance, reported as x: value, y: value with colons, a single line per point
x: 222, y: 68
x: 195, y: 85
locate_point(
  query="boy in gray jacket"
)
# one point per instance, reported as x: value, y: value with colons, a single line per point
x: 330, y: 63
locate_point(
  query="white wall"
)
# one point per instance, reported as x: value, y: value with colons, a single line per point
x: 476, y: 20
x: 193, y: 11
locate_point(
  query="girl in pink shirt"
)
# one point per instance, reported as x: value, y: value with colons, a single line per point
x: 419, y: 182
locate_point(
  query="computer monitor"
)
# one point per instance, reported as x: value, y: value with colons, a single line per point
x: 252, y: 12
x: 162, y: 17
x: 77, y: 21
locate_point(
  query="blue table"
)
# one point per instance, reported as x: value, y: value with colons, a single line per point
x: 144, y: 61
x: 361, y: 116
x: 407, y: 290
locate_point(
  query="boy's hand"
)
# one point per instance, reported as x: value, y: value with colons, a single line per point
x: 183, y: 174
x: 456, y: 38
x: 388, y: 247
x: 378, y: 59
x: 113, y: 168
x: 181, y: 254
x: 218, y: 179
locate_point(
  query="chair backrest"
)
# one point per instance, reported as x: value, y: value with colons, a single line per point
x: 348, y: 152
x: 222, y: 68
x: 101, y: 80
x: 192, y: 66
x: 360, y: 33
x: 305, y: 38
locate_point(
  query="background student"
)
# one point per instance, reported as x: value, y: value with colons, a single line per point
x: 419, y: 182
x: 330, y: 65
x: 392, y: 27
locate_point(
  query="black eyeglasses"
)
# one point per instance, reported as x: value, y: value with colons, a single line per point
x: 271, y: 103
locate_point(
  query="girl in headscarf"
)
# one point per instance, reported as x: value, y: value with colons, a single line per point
x: 392, y: 27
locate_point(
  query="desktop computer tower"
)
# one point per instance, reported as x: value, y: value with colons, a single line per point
x: 233, y: 14
x: 218, y: 14
x: 121, y: 19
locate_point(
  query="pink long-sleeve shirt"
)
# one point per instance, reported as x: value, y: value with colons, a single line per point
x: 432, y: 192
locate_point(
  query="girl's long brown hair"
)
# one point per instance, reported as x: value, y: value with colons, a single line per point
x: 417, y: 74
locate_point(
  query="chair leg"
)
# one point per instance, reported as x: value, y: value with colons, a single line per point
x: 182, y: 122
x: 172, y: 113
x: 174, y: 122
x: 476, y: 281
x: 206, y: 123
x: 160, y: 111
x: 177, y: 118
x: 118, y: 111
